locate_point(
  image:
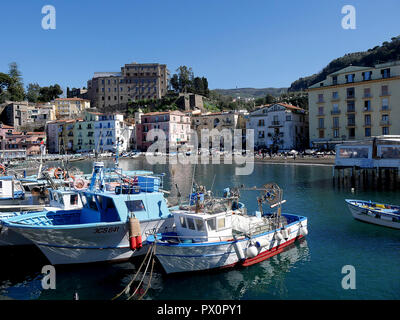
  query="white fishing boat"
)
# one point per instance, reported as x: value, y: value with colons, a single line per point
x: 386, y: 215
x: 111, y: 225
x: 212, y: 237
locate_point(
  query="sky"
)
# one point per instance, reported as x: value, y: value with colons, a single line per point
x: 235, y: 43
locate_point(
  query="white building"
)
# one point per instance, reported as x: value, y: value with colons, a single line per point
x: 279, y: 126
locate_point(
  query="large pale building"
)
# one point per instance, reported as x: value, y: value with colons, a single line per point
x: 279, y: 126
x: 136, y: 81
x: 67, y: 108
x: 355, y: 103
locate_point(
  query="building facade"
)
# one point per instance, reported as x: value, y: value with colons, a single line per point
x: 174, y: 124
x: 355, y: 103
x: 136, y: 81
x: 279, y: 126
x: 70, y: 107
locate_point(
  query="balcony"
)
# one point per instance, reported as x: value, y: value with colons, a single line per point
x: 385, y: 108
x: 351, y: 110
x: 385, y: 123
x: 275, y: 124
x: 368, y: 110
x: 350, y: 96
x: 351, y: 124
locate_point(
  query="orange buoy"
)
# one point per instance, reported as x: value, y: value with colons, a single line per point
x: 135, y: 239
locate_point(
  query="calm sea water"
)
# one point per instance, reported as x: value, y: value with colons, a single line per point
x: 310, y: 269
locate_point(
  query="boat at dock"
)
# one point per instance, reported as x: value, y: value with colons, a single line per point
x: 100, y: 230
x: 215, y: 237
x: 386, y: 215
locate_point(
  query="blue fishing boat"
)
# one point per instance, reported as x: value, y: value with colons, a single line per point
x: 112, y: 225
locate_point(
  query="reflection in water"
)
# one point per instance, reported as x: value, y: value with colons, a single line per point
x: 267, y: 278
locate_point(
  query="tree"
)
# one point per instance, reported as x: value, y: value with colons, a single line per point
x: 269, y: 99
x: 175, y: 82
x: 198, y: 86
x: 33, y: 92
x: 47, y: 94
x: 5, y: 82
x: 185, y: 78
x: 15, y: 91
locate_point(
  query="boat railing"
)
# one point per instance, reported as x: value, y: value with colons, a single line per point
x: 195, y: 239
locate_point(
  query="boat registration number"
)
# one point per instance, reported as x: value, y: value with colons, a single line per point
x: 106, y: 230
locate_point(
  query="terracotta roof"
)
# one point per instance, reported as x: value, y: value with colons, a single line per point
x: 71, y: 99
x: 4, y: 126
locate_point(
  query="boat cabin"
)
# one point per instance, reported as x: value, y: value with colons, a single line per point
x: 65, y: 199
x: 11, y: 188
x: 203, y: 227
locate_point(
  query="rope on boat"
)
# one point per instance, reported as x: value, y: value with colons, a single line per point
x: 148, y: 256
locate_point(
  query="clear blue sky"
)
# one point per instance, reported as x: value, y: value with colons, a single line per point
x: 235, y: 43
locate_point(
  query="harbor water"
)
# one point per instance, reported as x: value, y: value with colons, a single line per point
x: 309, y: 269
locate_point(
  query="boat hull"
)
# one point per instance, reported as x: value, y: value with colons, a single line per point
x: 100, y: 243
x: 371, y: 216
x: 208, y: 256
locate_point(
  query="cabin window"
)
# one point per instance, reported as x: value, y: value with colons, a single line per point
x: 50, y: 194
x: 190, y: 223
x: 91, y: 203
x: 74, y: 199
x: 221, y: 223
x: 200, y: 225
x: 135, y: 205
x: 211, y: 224
x: 183, y: 222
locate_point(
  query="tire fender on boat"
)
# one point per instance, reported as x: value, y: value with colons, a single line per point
x: 303, y: 230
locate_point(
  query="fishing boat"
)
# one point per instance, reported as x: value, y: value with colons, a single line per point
x: 215, y: 237
x: 112, y: 225
x: 386, y: 215
x: 60, y: 199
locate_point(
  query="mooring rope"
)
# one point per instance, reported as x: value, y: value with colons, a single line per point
x: 151, y: 258
x: 134, y: 278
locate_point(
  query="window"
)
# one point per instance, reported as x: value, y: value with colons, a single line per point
x: 321, y: 134
x: 336, y: 122
x: 321, y: 123
x: 350, y: 93
x: 261, y: 123
x: 367, y: 119
x: 385, y: 73
x: 183, y: 222
x: 190, y: 223
x: 135, y: 205
x: 385, y: 104
x: 351, y: 120
x: 367, y: 105
x: 91, y: 202
x: 288, y: 118
x: 200, y: 225
x: 335, y: 109
x: 367, y: 132
x: 367, y: 75
x: 335, y: 95
x: 385, y: 90
x: 320, y: 111
x: 321, y: 97
x: 350, y: 78
x: 261, y: 134
x: 336, y: 133
x: 334, y: 80
x: 221, y: 223
x: 385, y: 130
x: 367, y: 93
x: 211, y: 224
x: 351, y: 107
x: 352, y: 132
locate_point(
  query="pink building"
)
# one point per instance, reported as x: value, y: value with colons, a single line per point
x: 29, y: 141
x: 174, y: 124
x: 5, y: 130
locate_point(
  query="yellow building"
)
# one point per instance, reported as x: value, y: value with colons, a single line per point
x: 355, y: 103
x: 70, y: 107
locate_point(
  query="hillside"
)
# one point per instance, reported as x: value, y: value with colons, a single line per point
x: 388, y: 51
x: 251, y: 92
